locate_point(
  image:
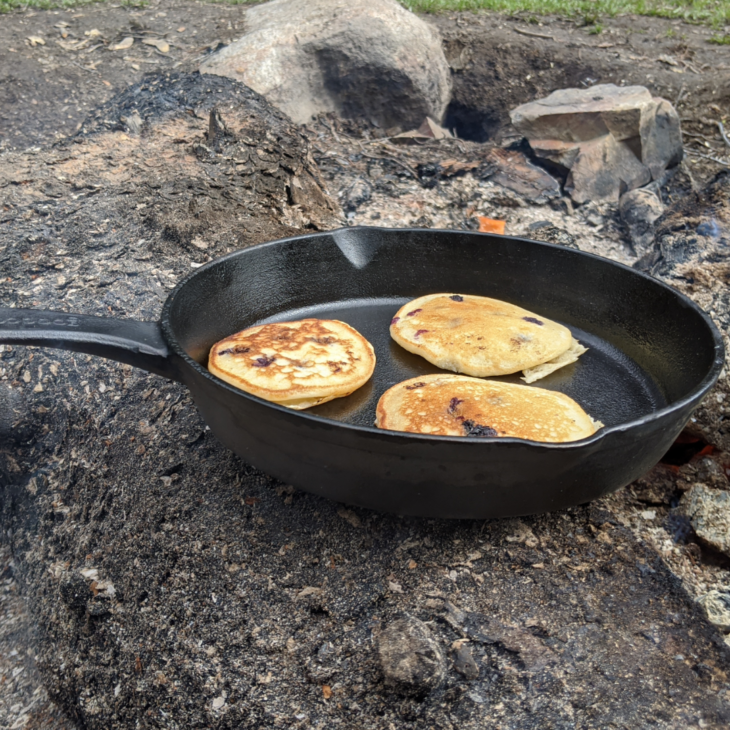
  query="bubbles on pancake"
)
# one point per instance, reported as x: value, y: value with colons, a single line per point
x: 457, y: 405
x: 297, y: 364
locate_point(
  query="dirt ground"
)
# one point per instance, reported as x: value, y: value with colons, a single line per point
x: 48, y: 89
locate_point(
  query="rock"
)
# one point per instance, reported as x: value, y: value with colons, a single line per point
x: 580, y: 115
x: 562, y: 154
x: 592, y: 214
x: 661, y: 138
x: 464, y: 661
x: 410, y: 657
x: 603, y: 168
x: 371, y: 60
x: 610, y: 138
x: 546, y: 231
x: 708, y: 511
x: 711, y: 473
x: 639, y: 209
x: 717, y: 608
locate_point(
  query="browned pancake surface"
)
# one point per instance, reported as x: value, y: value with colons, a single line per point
x: 297, y: 364
x: 457, y: 405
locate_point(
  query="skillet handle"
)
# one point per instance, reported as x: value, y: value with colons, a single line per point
x: 136, y: 343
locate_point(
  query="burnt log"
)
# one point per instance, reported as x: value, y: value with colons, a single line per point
x: 176, y: 586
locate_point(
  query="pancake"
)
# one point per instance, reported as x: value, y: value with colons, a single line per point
x: 457, y: 405
x: 295, y: 364
x: 480, y: 336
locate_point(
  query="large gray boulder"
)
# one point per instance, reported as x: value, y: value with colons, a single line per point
x: 372, y: 60
x: 607, y: 139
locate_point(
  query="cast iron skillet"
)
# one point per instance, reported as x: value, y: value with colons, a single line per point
x: 653, y: 356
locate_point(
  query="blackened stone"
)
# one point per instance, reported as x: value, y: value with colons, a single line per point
x: 639, y: 210
x: 464, y: 662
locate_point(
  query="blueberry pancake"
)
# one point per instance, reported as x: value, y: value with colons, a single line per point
x: 295, y: 364
x: 456, y: 405
x: 481, y: 336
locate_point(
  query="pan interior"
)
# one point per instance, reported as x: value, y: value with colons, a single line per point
x: 608, y: 384
x: 648, y: 346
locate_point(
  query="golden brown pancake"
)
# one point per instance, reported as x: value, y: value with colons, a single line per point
x: 295, y: 364
x: 481, y: 336
x: 456, y: 405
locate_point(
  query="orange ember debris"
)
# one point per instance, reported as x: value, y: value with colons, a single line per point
x: 490, y: 225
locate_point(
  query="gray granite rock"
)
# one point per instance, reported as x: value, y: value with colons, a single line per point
x: 661, y: 138
x: 372, y: 60
x: 708, y: 511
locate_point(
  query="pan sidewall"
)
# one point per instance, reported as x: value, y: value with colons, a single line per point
x: 431, y: 477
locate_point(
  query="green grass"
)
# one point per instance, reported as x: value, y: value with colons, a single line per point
x: 720, y: 40
x: 712, y: 12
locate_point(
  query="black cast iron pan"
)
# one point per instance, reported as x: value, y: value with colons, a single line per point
x: 653, y: 356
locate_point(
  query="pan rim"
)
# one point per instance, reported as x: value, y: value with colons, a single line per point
x: 695, y: 395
